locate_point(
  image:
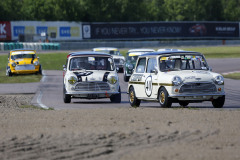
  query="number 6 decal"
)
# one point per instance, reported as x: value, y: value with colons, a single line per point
x: 148, y: 86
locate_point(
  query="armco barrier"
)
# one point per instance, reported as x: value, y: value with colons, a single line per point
x: 35, y: 46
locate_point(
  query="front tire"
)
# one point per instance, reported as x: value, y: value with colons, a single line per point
x: 116, y: 98
x: 134, y: 102
x: 219, y: 102
x: 8, y: 72
x: 40, y: 70
x: 164, y: 100
x: 66, y: 97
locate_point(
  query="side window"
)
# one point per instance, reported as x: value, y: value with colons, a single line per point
x: 141, y: 65
x: 152, y: 65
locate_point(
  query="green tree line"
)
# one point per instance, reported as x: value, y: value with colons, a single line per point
x: 120, y: 10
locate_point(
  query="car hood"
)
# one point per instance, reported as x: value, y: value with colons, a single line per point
x: 92, y: 75
x: 23, y: 61
x: 194, y: 75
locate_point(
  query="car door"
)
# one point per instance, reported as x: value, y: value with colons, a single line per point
x: 151, y: 78
x: 138, y: 78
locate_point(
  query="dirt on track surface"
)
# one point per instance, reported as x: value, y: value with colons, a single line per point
x: 116, y: 133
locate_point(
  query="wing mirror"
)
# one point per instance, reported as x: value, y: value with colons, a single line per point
x: 64, y: 67
x: 210, y: 68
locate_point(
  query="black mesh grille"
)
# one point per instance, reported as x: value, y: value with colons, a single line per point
x: 92, y: 86
x: 198, y: 88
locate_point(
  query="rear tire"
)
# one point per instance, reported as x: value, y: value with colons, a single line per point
x: 164, y: 100
x: 219, y: 102
x: 66, y: 97
x: 134, y: 102
x: 116, y: 98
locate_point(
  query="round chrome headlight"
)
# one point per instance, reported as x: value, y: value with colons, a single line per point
x: 130, y: 66
x: 72, y: 80
x: 219, y: 80
x: 177, y: 81
x: 121, y: 61
x: 112, y: 79
x: 14, y: 64
x: 36, y: 63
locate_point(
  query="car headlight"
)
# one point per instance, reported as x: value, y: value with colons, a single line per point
x: 121, y: 61
x: 72, y: 80
x: 14, y: 64
x: 130, y: 66
x: 36, y: 63
x: 219, y: 80
x: 177, y: 81
x: 112, y: 79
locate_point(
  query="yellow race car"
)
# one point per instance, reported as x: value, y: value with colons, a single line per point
x: 23, y: 61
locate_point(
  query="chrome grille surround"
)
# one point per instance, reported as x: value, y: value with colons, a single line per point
x: 198, y: 88
x: 92, y: 86
x: 25, y: 67
x: 116, y: 60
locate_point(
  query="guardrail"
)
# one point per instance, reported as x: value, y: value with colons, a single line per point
x: 36, y: 46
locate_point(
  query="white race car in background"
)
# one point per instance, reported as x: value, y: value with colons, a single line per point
x: 118, y: 58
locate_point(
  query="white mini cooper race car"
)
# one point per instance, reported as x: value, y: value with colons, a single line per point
x: 175, y: 76
x: 90, y: 75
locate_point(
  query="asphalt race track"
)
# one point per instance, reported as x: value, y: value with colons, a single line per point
x: 49, y: 92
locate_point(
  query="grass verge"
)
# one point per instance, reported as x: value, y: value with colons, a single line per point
x: 233, y: 76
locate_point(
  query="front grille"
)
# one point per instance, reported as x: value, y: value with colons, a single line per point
x: 116, y: 61
x: 25, y: 67
x: 92, y: 86
x: 198, y: 88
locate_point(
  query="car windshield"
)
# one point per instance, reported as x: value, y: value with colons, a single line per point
x: 132, y: 58
x: 183, y: 62
x: 18, y: 56
x: 91, y: 63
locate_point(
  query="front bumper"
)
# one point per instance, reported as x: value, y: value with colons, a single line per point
x: 200, y: 97
x: 92, y: 95
x: 119, y: 65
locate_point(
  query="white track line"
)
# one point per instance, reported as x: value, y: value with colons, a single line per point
x: 230, y: 72
x: 40, y: 94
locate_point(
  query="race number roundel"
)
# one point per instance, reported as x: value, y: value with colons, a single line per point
x: 148, y: 86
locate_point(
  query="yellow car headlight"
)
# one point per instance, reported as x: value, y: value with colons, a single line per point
x: 36, y: 63
x: 72, y: 80
x: 112, y: 79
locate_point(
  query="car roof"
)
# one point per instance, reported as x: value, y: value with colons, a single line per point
x: 105, y: 48
x: 22, y: 51
x: 136, y: 53
x: 169, y: 52
x: 88, y: 53
x: 168, y: 49
x: 141, y: 50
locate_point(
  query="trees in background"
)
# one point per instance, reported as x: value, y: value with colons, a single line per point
x: 120, y: 10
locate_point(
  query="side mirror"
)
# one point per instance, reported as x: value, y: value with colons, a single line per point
x: 64, y: 67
